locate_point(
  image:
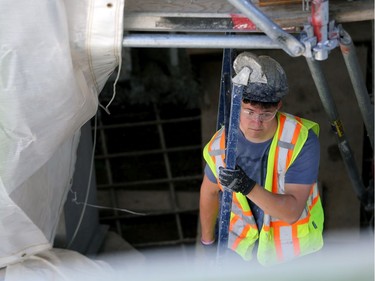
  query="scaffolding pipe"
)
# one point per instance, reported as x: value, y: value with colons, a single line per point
x: 348, y: 51
x: 225, y: 87
x: 224, y: 120
x: 343, y: 144
x: 319, y: 21
x: 238, y: 84
x: 230, y: 161
x: 198, y: 41
x: 286, y: 41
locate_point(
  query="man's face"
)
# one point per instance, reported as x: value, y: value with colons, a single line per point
x: 258, y: 123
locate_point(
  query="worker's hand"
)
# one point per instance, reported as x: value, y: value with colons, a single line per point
x: 236, y: 180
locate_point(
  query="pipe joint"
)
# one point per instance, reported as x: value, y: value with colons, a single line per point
x: 319, y: 50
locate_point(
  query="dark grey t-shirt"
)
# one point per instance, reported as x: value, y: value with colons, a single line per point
x: 252, y: 157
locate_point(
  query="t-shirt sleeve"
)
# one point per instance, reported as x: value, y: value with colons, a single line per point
x: 305, y: 168
x: 210, y: 174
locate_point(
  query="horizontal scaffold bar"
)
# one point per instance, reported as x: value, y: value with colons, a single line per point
x: 209, y: 41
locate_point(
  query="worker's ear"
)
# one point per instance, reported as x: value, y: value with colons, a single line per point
x: 279, y: 105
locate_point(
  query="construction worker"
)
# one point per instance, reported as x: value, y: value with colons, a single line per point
x: 276, y: 212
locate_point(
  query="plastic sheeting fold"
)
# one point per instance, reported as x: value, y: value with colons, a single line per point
x: 55, y: 58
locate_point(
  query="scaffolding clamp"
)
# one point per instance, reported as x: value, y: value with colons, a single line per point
x: 320, y: 36
x: 319, y: 50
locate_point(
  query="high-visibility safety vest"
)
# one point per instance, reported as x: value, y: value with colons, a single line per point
x: 278, y: 240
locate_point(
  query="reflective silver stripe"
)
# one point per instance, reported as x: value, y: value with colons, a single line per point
x: 219, y: 163
x: 281, y: 163
x: 216, y: 152
x: 315, y: 191
x: 239, y: 211
x: 267, y: 220
x: 281, y: 179
x: 286, y: 145
x: 248, y: 219
x: 305, y: 213
x: 285, y: 139
x: 216, y: 141
x: 231, y: 238
x: 235, y: 209
x: 310, y: 198
x: 238, y: 227
x: 215, y: 145
x: 286, y: 239
x: 288, y: 131
x: 314, y: 195
x: 235, y: 232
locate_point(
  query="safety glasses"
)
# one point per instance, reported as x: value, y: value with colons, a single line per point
x: 263, y: 117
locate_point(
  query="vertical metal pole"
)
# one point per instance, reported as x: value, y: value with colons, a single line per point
x: 330, y: 108
x: 225, y: 87
x: 348, y: 51
x: 319, y: 21
x: 239, y: 81
x: 223, y: 120
x: 230, y: 159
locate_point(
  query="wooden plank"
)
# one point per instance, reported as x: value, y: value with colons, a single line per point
x: 178, y: 6
x: 263, y: 3
x: 220, y: 16
x: 352, y: 11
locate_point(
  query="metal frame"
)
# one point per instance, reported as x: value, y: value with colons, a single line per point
x: 112, y: 187
x: 209, y: 41
x: 318, y: 38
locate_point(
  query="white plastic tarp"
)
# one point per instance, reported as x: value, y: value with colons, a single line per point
x: 55, y: 57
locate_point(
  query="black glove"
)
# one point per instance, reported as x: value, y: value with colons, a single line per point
x: 236, y: 180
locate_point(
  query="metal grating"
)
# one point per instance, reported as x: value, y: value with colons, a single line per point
x: 148, y: 160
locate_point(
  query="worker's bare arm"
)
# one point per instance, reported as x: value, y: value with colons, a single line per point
x: 287, y: 207
x: 209, y: 207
